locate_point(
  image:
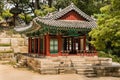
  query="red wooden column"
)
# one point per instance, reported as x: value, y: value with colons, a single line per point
x: 39, y: 46
x: 30, y: 45
x: 44, y: 44
x: 59, y: 45
x: 47, y: 43
x: 34, y: 45
x: 85, y: 45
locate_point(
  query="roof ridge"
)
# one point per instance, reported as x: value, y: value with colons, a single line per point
x: 68, y: 9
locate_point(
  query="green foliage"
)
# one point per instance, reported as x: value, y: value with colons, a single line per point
x: 49, y: 10
x: 45, y: 9
x: 6, y: 14
x: 114, y: 57
x: 26, y: 17
x: 62, y: 3
x: 1, y: 6
x: 1, y: 18
x: 22, y: 16
x: 38, y: 12
x: 92, y: 7
x: 107, y: 35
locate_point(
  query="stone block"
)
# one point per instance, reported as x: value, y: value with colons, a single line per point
x: 4, y: 40
x: 16, y: 36
x: 21, y: 41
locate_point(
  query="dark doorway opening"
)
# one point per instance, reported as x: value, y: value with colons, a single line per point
x: 71, y: 44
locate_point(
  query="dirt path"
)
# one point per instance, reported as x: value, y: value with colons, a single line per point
x: 7, y: 72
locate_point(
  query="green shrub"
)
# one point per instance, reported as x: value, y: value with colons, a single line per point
x: 1, y: 18
x: 6, y: 13
x: 39, y: 13
x: 115, y: 58
x: 27, y: 19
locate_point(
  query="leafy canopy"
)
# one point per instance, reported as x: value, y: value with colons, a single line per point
x: 107, y: 35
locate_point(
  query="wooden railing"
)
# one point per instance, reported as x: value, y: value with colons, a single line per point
x: 81, y: 53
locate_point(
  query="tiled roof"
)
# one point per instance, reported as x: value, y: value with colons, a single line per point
x: 51, y: 20
x: 68, y: 23
x: 68, y: 9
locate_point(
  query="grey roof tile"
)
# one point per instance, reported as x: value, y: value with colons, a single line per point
x: 68, y: 23
x: 68, y: 9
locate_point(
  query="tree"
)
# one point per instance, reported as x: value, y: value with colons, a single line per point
x: 106, y: 36
x: 1, y: 6
x: 88, y: 6
x: 62, y: 3
x: 36, y: 4
x: 50, y: 3
x: 45, y: 9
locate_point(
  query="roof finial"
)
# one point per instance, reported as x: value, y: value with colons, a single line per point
x: 72, y: 3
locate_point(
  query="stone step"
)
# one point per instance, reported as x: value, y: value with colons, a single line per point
x: 4, y: 61
x: 20, y: 62
x: 61, y: 71
x: 78, y: 64
x: 48, y: 70
x: 15, y: 66
x: 78, y: 61
x: 70, y: 71
x: 75, y: 57
x: 82, y: 72
x: 91, y: 75
x: 90, y: 69
x: 18, y: 65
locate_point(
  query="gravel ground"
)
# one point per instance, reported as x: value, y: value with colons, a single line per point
x: 7, y: 72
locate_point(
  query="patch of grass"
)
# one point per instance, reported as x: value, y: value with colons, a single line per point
x: 10, y: 51
x: 4, y: 44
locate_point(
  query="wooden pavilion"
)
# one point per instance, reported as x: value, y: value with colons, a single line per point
x: 62, y: 33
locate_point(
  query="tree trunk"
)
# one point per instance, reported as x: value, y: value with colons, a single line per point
x: 37, y: 6
x: 50, y: 3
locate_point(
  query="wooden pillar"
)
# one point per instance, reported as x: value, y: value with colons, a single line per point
x: 34, y: 45
x: 30, y: 45
x: 84, y: 45
x: 44, y: 45
x: 47, y: 43
x: 59, y: 45
x: 39, y: 46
